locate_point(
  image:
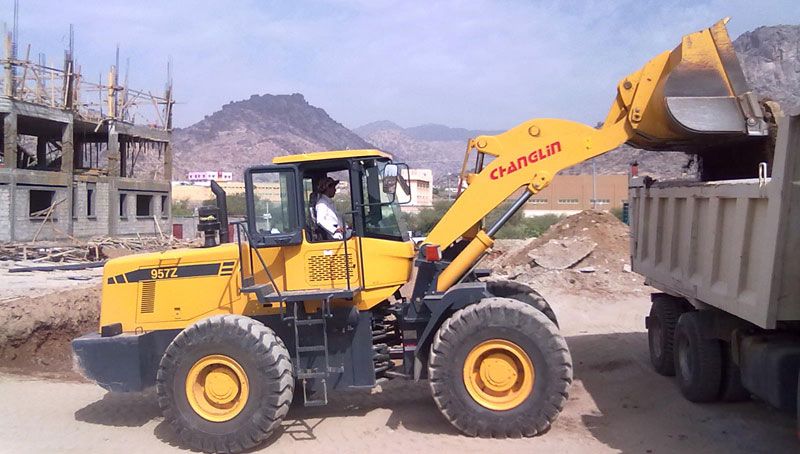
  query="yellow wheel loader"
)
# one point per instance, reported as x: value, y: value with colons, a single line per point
x: 230, y: 332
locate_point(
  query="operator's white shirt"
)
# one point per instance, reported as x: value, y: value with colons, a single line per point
x: 327, y: 217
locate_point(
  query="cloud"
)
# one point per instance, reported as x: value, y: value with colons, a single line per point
x: 478, y: 64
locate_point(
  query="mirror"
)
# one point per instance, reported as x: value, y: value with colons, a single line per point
x: 390, y: 172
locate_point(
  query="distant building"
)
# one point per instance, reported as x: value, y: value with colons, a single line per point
x: 199, y: 192
x: 209, y: 175
x: 421, y: 186
x: 569, y: 194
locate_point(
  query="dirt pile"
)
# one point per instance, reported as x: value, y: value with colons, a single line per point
x: 585, y: 253
x: 36, y: 331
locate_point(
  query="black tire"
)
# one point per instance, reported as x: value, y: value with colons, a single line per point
x: 731, y: 389
x: 664, y: 314
x: 698, y: 361
x: 508, y: 320
x: 266, y: 363
x: 524, y: 293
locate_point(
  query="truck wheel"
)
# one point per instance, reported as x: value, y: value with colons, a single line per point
x: 499, y: 368
x: 225, y: 383
x: 731, y: 389
x: 524, y: 293
x: 698, y: 361
x: 661, y: 323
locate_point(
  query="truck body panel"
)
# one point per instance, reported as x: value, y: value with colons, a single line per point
x: 728, y: 244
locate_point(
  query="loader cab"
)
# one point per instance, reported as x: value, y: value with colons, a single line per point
x: 281, y: 222
x: 281, y: 198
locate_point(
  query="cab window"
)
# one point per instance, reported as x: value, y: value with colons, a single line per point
x: 381, y: 212
x: 272, y: 195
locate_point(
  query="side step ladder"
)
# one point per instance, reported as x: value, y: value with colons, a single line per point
x: 313, y: 373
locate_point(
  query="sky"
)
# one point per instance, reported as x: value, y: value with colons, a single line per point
x: 475, y: 64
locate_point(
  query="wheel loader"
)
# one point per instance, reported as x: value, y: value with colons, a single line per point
x: 230, y: 333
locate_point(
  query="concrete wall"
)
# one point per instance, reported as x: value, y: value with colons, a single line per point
x: 25, y: 226
x: 96, y: 224
x: 131, y: 224
x: 5, y: 207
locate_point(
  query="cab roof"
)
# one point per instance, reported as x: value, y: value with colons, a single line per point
x: 329, y: 155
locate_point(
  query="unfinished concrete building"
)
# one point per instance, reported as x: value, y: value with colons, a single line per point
x: 80, y: 159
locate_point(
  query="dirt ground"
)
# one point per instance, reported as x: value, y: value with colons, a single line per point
x: 617, y: 404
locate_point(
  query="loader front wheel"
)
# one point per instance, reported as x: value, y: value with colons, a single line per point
x: 500, y: 368
x: 225, y: 383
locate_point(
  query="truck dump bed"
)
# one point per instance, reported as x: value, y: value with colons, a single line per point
x: 734, y: 244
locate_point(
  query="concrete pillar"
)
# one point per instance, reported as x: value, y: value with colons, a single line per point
x: 113, y: 151
x: 67, y: 158
x: 168, y: 162
x: 113, y: 173
x: 113, y: 207
x: 67, y: 149
x: 10, y: 139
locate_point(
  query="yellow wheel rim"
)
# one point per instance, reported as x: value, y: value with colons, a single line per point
x: 498, y: 374
x: 217, y: 388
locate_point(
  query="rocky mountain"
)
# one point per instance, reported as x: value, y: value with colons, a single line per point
x: 253, y: 131
x: 770, y: 58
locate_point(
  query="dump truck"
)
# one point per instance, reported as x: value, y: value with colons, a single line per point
x: 229, y: 333
x: 726, y: 319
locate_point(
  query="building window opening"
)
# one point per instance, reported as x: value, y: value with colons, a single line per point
x: 164, y: 207
x: 90, y: 206
x: 40, y: 203
x: 144, y: 205
x: 123, y: 206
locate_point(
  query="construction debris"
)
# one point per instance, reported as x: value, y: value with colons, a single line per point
x: 93, y: 250
x: 583, y: 253
x: 560, y: 255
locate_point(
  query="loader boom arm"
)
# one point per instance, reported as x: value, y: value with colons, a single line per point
x: 686, y: 99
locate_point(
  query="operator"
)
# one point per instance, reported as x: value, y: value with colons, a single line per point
x: 327, y: 217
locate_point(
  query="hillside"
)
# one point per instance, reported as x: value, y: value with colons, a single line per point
x: 253, y: 131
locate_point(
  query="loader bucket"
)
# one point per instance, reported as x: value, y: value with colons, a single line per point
x: 699, y: 96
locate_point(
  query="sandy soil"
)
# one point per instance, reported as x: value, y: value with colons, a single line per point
x: 617, y: 404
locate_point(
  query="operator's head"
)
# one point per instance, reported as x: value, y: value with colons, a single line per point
x: 327, y: 186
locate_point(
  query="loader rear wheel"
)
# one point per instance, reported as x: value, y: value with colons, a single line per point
x: 698, y: 360
x: 499, y: 368
x: 225, y: 383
